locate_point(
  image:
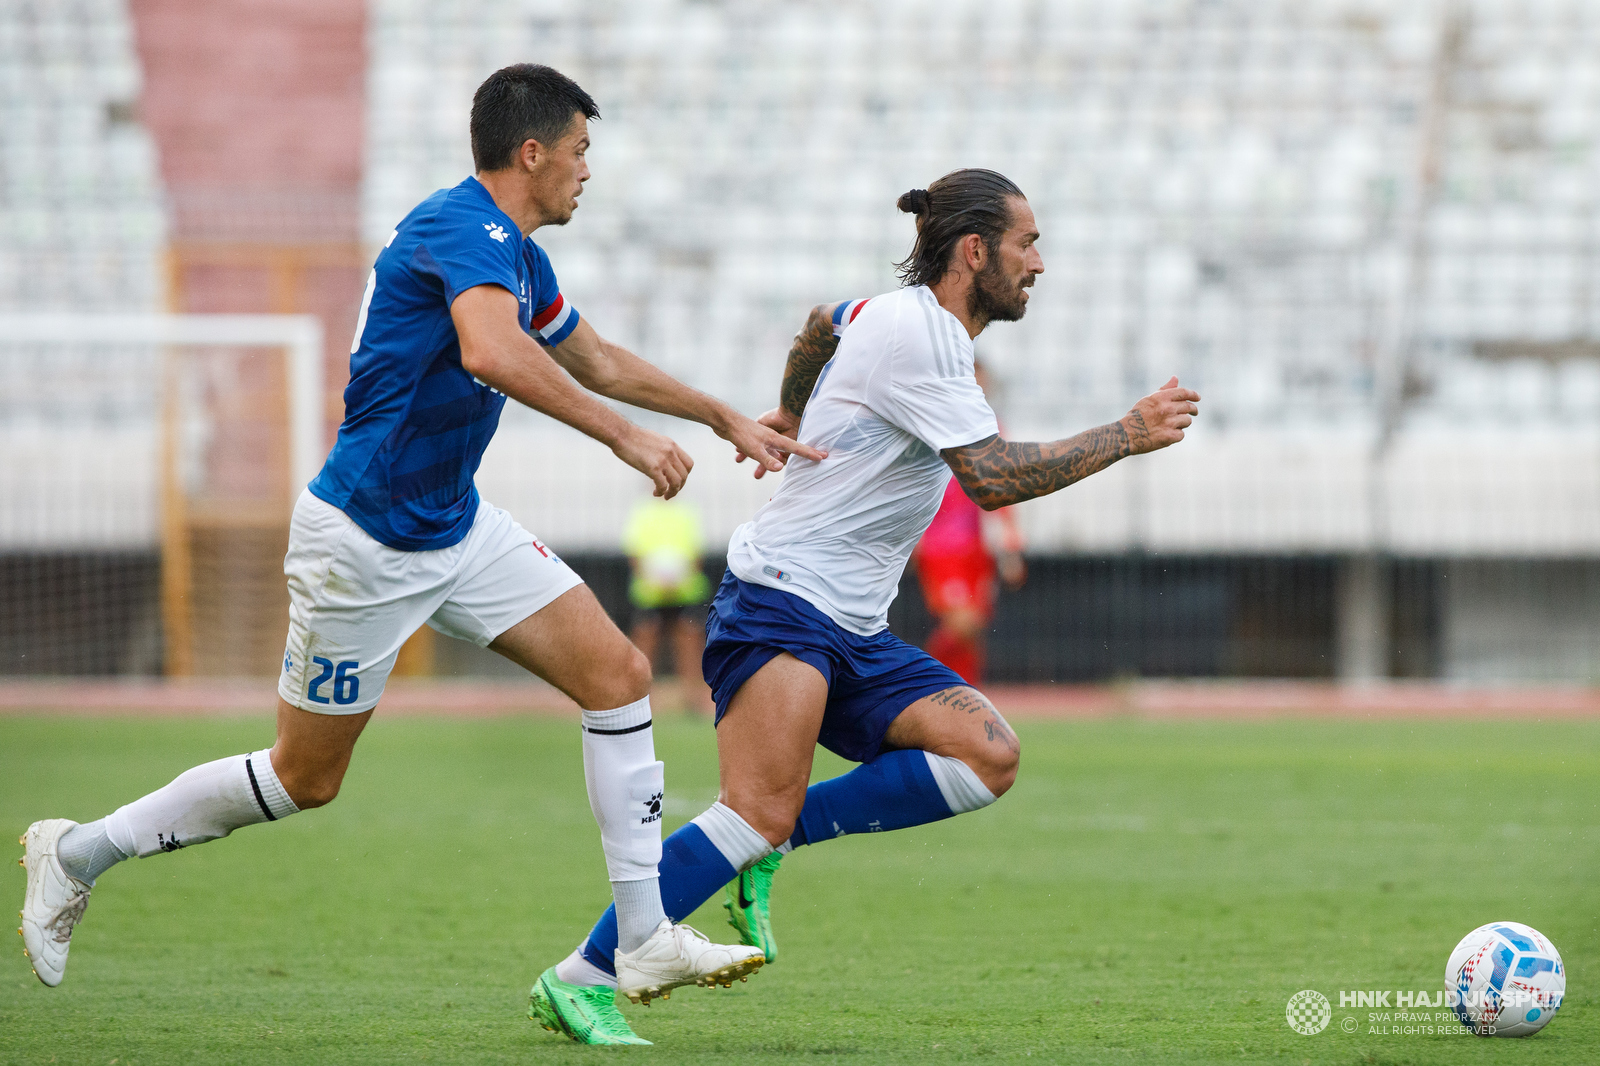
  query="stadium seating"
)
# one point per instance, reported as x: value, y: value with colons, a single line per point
x: 1230, y: 191
x: 1366, y: 231
x: 81, y: 229
x: 81, y: 220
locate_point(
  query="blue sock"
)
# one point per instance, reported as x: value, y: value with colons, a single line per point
x: 692, y: 869
x: 894, y: 791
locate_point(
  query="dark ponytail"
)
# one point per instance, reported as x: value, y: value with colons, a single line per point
x: 915, y: 202
x: 961, y: 202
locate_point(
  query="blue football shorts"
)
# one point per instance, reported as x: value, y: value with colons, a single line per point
x: 870, y: 679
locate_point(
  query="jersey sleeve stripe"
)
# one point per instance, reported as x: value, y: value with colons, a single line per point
x: 957, y: 349
x: 550, y: 314
x: 936, y: 339
x: 556, y: 322
x: 845, y: 314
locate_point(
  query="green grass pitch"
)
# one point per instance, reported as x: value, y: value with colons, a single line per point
x: 1149, y: 892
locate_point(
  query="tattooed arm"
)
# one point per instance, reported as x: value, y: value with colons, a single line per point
x: 813, y: 346
x: 996, y: 472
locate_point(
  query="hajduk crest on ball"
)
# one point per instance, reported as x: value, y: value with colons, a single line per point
x: 1505, y: 979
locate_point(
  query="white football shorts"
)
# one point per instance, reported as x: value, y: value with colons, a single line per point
x: 353, y: 601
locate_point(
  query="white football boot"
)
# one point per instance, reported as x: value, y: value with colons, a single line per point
x: 677, y: 955
x: 54, y: 903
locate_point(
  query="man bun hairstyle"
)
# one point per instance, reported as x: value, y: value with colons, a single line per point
x: 519, y: 103
x: 962, y: 202
x: 914, y: 202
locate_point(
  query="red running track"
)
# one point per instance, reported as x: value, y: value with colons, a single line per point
x: 1141, y: 699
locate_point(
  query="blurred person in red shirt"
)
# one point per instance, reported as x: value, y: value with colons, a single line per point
x: 957, y: 567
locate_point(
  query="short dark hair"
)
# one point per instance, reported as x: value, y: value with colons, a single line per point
x: 961, y: 202
x: 519, y: 103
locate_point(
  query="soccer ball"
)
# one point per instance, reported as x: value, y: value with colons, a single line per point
x: 1505, y: 979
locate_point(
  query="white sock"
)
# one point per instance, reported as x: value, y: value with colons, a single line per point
x: 626, y: 788
x: 641, y: 900
x: 961, y: 788
x: 201, y: 804
x: 86, y: 851
x: 738, y: 841
x: 577, y: 970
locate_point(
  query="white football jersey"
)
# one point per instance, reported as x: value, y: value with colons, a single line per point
x: 900, y: 388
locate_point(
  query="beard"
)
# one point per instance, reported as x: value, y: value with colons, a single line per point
x: 562, y: 210
x: 995, y: 298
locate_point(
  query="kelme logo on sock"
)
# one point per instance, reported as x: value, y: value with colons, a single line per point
x: 652, y: 809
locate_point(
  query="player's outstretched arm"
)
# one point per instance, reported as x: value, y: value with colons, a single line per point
x: 813, y: 346
x: 496, y: 352
x: 996, y: 472
x: 612, y: 370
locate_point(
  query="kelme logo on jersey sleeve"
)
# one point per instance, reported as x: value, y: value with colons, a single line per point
x: 496, y: 231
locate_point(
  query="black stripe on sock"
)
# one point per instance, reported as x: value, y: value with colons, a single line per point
x: 251, y: 770
x: 611, y: 732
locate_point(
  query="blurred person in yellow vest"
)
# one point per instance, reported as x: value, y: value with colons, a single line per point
x: 664, y: 542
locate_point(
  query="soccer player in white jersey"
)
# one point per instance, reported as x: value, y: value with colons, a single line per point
x: 462, y: 310
x: 798, y: 651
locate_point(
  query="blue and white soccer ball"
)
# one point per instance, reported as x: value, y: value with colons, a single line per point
x: 1505, y: 979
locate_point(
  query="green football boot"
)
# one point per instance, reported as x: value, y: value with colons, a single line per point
x: 749, y: 903
x: 586, y: 1013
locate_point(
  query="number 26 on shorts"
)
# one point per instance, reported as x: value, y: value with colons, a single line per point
x: 346, y: 685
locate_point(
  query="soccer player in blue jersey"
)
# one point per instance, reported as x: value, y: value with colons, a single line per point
x: 461, y: 311
x: 797, y: 648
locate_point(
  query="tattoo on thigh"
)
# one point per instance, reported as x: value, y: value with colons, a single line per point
x: 997, y: 729
x: 969, y: 700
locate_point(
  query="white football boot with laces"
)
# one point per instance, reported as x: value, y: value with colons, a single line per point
x: 54, y: 903
x: 677, y: 955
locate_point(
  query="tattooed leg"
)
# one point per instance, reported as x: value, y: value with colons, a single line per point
x: 962, y: 724
x: 953, y: 754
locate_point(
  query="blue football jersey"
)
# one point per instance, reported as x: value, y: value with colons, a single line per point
x: 415, y: 422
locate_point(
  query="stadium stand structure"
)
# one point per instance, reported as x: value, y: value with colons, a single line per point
x: 80, y: 198
x: 257, y: 109
x: 82, y: 226
x: 145, y: 487
x: 1339, y: 219
x: 1366, y: 232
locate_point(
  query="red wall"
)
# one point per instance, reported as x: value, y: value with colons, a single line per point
x: 258, y: 110
x: 267, y: 96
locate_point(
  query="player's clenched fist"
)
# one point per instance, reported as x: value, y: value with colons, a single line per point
x: 1160, y: 418
x: 656, y: 457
